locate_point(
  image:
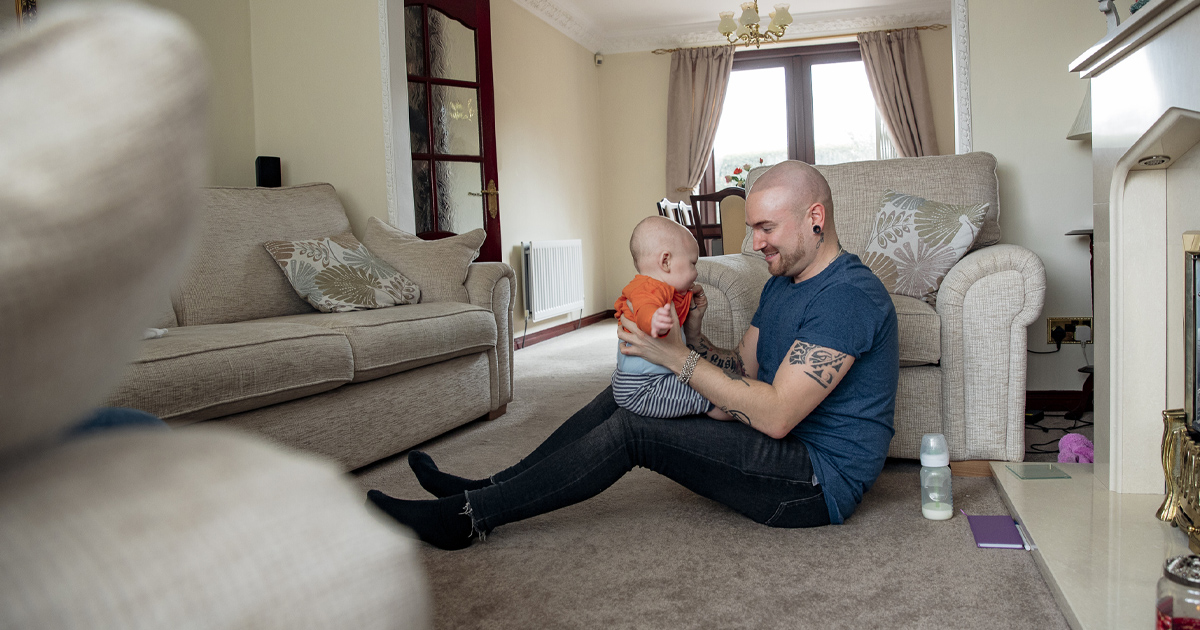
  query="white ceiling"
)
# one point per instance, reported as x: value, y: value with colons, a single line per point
x: 612, y: 26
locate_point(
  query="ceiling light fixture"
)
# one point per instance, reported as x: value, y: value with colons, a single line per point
x: 745, y: 30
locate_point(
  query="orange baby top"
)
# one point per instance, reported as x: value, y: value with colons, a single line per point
x: 647, y: 295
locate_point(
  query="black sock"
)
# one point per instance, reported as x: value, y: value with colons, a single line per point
x: 440, y: 522
x: 438, y: 483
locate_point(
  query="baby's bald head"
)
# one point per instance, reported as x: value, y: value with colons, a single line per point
x: 654, y: 235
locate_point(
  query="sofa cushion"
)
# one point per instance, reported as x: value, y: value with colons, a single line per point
x: 920, y: 331
x: 195, y: 373
x: 438, y: 266
x: 914, y: 242
x: 390, y: 340
x: 339, y: 274
x: 857, y: 187
x: 231, y: 278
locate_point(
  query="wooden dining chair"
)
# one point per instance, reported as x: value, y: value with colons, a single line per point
x: 709, y: 230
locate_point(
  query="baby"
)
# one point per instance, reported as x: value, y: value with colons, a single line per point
x: 665, y: 255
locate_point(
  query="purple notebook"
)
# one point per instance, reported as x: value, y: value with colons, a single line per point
x: 996, y: 532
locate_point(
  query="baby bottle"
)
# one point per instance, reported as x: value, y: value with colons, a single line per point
x: 937, y: 502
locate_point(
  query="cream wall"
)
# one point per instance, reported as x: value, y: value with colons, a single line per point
x: 1023, y: 102
x: 223, y: 26
x: 548, y: 136
x: 633, y: 97
x: 939, y: 73
x: 318, y: 97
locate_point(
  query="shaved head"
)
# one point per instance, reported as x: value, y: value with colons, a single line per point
x: 656, y: 234
x: 790, y: 213
x: 804, y: 186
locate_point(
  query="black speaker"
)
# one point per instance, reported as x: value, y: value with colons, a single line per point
x: 266, y: 172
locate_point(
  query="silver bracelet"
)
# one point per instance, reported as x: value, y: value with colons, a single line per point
x: 689, y: 366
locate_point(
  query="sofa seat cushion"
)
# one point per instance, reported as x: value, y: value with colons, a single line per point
x: 195, y: 373
x: 391, y: 340
x: 920, y: 331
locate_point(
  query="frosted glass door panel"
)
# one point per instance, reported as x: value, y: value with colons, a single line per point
x: 459, y: 211
x: 451, y: 48
x: 418, y: 122
x: 422, y: 196
x: 455, y: 120
x: 414, y: 40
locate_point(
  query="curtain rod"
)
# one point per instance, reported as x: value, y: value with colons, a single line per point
x: 927, y: 27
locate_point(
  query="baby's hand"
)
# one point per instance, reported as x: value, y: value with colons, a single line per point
x: 661, y: 323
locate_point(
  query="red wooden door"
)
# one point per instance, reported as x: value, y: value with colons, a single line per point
x: 452, y: 119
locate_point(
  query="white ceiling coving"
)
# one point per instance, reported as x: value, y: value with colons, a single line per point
x: 614, y: 26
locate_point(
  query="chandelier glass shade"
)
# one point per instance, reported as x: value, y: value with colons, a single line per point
x: 745, y: 30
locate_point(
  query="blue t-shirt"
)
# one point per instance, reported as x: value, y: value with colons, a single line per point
x: 843, y: 308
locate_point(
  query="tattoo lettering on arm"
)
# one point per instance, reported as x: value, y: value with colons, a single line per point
x: 740, y: 416
x: 730, y: 362
x: 820, y: 364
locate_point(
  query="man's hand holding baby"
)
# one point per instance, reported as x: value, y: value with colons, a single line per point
x: 668, y: 351
x: 691, y: 327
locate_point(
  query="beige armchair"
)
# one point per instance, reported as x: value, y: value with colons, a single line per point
x: 963, y: 362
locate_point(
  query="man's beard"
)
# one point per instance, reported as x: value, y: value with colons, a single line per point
x: 786, y: 261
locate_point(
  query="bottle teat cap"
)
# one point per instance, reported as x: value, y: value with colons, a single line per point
x: 934, y: 451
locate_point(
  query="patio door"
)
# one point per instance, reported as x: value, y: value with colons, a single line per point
x: 452, y: 119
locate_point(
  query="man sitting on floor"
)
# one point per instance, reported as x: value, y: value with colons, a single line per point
x: 812, y: 384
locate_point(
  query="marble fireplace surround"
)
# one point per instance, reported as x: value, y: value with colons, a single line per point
x: 1145, y: 84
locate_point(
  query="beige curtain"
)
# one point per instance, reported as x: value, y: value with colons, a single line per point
x: 696, y: 93
x: 896, y: 71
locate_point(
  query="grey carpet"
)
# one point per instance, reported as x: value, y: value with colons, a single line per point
x: 647, y: 553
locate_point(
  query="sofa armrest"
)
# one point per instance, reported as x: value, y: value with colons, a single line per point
x: 985, y: 303
x: 492, y: 286
x: 733, y: 284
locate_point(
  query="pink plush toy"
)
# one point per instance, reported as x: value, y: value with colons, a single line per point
x: 1075, y: 449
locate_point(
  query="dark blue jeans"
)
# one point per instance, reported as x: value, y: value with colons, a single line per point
x: 770, y: 481
x: 109, y: 418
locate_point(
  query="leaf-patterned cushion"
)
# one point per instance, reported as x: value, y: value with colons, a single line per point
x: 915, y: 242
x: 339, y: 274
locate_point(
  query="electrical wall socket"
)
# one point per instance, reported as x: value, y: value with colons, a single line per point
x: 1068, y: 324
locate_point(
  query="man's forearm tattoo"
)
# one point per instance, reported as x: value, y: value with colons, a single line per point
x: 730, y: 362
x: 740, y: 416
x: 820, y: 364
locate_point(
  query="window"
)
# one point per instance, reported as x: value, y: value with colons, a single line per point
x: 811, y: 103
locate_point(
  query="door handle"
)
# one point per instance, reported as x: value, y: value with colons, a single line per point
x: 492, y: 200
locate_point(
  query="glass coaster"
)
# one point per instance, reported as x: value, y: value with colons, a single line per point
x: 1037, y: 471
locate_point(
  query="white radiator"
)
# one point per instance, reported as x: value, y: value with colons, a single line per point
x: 553, y: 277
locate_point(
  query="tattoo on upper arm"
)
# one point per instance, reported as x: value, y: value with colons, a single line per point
x: 820, y: 364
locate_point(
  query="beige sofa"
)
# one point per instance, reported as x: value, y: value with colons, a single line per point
x: 244, y: 351
x: 962, y: 362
